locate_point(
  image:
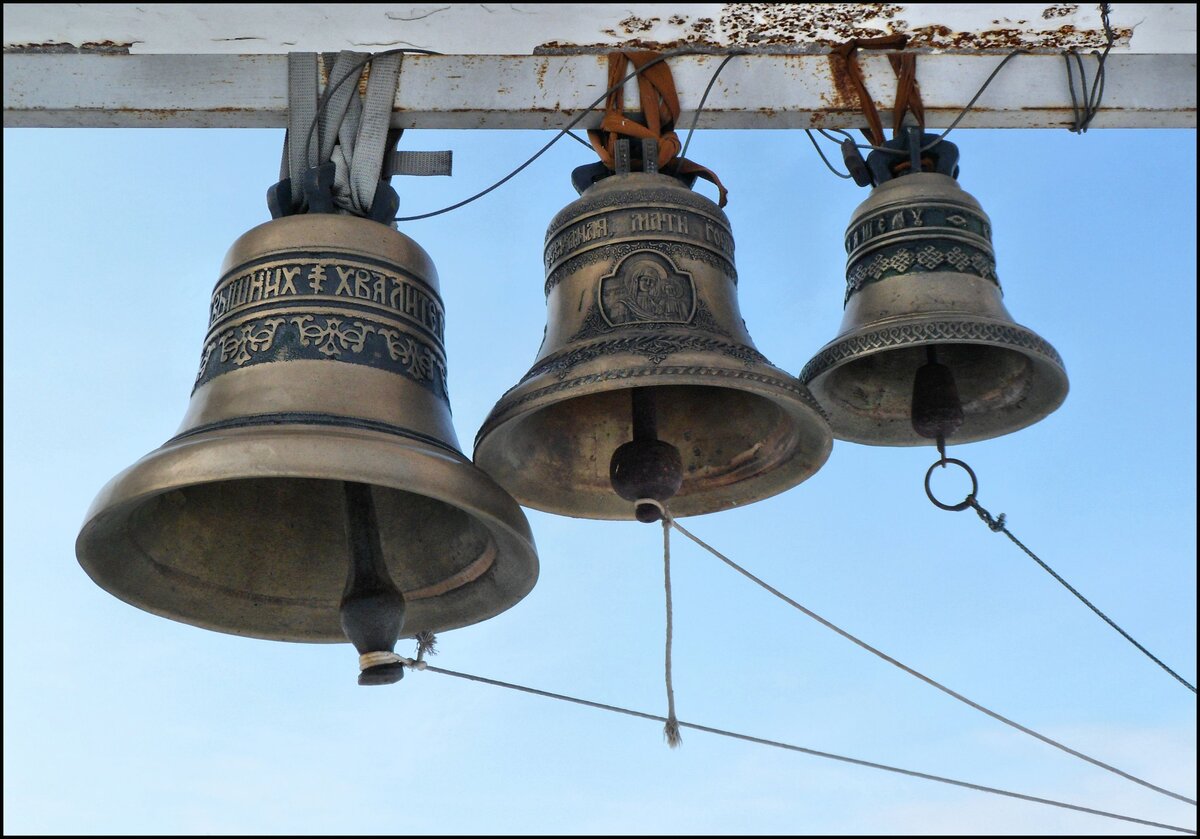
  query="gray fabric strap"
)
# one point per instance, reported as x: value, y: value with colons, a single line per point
x: 343, y: 103
x: 366, y: 166
x: 302, y: 109
x: 350, y: 132
x: 419, y: 163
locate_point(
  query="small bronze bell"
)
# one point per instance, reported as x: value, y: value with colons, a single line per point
x: 645, y: 350
x: 319, y: 415
x: 926, y: 346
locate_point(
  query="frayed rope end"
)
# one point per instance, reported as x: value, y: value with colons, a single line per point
x: 671, y: 733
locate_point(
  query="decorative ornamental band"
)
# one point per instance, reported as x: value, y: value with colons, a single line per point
x: 321, y: 337
x: 910, y: 334
x: 917, y: 258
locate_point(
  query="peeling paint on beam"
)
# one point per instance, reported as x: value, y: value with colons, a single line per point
x: 564, y: 28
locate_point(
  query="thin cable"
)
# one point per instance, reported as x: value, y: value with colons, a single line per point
x: 789, y: 747
x: 828, y: 165
x: 1091, y: 105
x: 974, y: 99
x: 997, y: 525
x: 825, y: 133
x: 580, y: 140
x: 696, y: 117
x: 578, y: 119
x: 922, y: 676
x: 966, y: 109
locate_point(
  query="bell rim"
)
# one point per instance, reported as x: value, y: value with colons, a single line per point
x: 488, y: 504
x: 794, y: 400
x: 909, y: 331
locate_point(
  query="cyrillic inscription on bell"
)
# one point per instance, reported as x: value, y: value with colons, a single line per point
x: 321, y: 394
x: 926, y: 346
x: 641, y: 294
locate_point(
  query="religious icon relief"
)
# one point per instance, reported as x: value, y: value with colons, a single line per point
x: 646, y: 287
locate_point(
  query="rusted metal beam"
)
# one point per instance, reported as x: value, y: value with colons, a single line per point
x: 572, y: 28
x: 61, y: 89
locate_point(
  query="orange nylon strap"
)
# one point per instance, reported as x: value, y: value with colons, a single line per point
x: 908, y: 95
x: 660, y: 106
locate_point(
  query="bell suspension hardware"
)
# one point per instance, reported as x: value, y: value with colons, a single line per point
x: 316, y: 490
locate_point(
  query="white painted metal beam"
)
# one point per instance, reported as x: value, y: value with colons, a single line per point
x: 538, y: 65
x: 754, y: 91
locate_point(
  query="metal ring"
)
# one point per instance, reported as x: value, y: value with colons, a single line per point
x: 965, y: 503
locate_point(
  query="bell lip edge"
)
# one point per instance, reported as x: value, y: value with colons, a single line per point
x: 790, y: 402
x: 510, y: 529
x: 1055, y: 359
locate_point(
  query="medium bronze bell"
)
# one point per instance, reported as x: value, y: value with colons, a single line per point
x: 926, y: 346
x: 644, y: 340
x: 322, y: 388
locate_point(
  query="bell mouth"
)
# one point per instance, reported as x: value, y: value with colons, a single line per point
x: 1007, y: 377
x: 244, y: 532
x: 737, y: 446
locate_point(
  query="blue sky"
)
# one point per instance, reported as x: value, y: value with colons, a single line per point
x: 117, y: 721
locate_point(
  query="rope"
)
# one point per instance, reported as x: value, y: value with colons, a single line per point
x: 671, y: 729
x: 922, y: 676
x: 997, y: 525
x: 789, y: 747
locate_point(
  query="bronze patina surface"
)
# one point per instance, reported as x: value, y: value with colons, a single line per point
x: 920, y: 273
x: 641, y: 292
x: 323, y: 364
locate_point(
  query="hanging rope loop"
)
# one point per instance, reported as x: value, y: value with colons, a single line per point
x: 660, y: 108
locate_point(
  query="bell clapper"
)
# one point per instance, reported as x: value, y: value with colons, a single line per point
x: 372, y: 608
x: 646, y: 467
x: 936, y: 409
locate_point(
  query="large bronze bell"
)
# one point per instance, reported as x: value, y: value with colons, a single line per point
x: 926, y: 347
x: 644, y: 344
x: 321, y: 390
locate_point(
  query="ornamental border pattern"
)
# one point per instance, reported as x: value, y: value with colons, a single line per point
x: 914, y: 333
x: 656, y: 349
x: 322, y: 337
x: 927, y: 258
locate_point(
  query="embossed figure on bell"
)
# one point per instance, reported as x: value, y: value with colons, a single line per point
x: 315, y: 490
x: 641, y: 296
x: 921, y: 274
